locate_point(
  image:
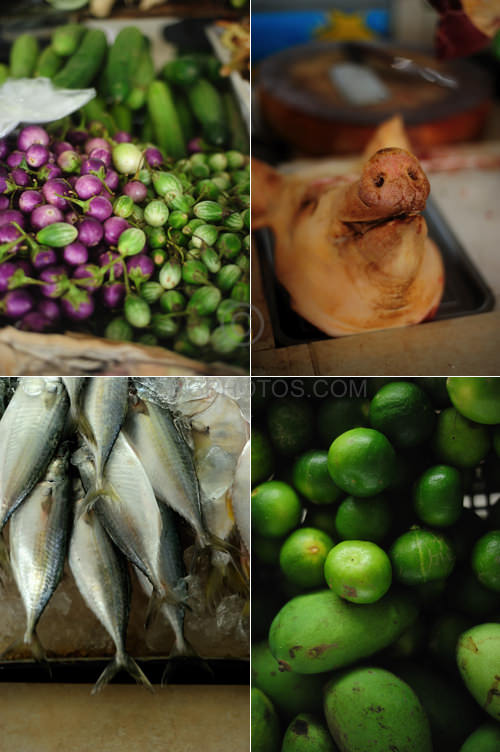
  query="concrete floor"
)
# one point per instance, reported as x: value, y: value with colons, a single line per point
x: 62, y: 717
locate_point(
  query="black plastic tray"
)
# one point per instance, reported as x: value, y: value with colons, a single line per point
x: 466, y: 293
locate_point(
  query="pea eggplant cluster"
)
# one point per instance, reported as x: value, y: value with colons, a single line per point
x: 124, y: 243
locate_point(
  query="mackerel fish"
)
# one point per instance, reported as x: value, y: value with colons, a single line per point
x: 38, y: 542
x: 30, y: 430
x: 101, y: 575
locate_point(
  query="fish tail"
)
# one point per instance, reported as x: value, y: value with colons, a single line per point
x: 180, y: 653
x: 94, y: 493
x: 84, y: 428
x: 38, y: 651
x: 119, y: 662
x: 158, y: 598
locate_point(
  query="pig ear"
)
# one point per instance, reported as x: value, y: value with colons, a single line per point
x: 266, y: 186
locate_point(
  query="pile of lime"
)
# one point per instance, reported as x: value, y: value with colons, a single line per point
x: 375, y: 567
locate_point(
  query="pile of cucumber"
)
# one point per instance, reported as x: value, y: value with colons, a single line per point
x: 186, y: 100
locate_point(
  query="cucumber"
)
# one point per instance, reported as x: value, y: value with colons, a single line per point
x: 65, y: 39
x: 205, y: 102
x: 23, y: 56
x: 183, y: 71
x: 140, y: 80
x: 209, y: 211
x: 185, y: 116
x: 95, y: 110
x: 4, y: 73
x: 205, y: 300
x: 166, y: 126
x: 82, y: 67
x: 48, y: 63
x: 124, y: 58
x: 57, y: 234
x: 137, y: 312
x: 164, y: 326
x: 122, y: 117
x: 239, y: 136
x: 147, y: 130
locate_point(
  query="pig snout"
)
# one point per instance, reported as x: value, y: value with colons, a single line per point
x: 392, y: 183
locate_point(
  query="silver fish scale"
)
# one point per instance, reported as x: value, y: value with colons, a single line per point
x: 132, y: 516
x: 168, y: 463
x: 30, y: 430
x: 38, y: 536
x: 100, y: 574
x: 104, y: 405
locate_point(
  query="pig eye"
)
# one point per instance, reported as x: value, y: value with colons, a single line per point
x: 412, y: 174
x: 307, y: 205
x: 379, y: 181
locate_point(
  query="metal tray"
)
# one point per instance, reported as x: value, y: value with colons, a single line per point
x: 466, y: 293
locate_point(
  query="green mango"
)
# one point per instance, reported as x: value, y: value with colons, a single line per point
x: 265, y: 725
x: 451, y: 711
x: 307, y: 734
x: 486, y: 738
x: 368, y: 708
x: 478, y: 658
x: 290, y: 693
x: 319, y: 631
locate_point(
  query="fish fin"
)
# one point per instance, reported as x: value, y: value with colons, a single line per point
x: 94, y: 493
x: 177, y: 662
x: 85, y: 429
x: 119, y: 662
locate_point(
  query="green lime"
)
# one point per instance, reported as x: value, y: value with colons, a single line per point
x: 276, y: 509
x: 312, y: 479
x: 403, y: 412
x: 265, y: 731
x: 458, y: 441
x: 307, y: 733
x: 303, y: 556
x: 476, y: 397
x: 363, y: 519
x: 290, y: 424
x: 289, y: 692
x: 420, y: 556
x: 485, y: 560
x: 486, y: 738
x: 262, y: 456
x: 362, y: 462
x: 336, y: 416
x: 266, y: 550
x: 435, y: 387
x: 323, y: 518
x: 358, y: 571
x: 438, y: 496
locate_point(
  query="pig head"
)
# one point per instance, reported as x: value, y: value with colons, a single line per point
x: 353, y: 250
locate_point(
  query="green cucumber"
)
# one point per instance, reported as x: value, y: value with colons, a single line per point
x: 151, y: 291
x: 198, y: 330
x: 57, y: 234
x: 206, y: 104
x: 83, y: 66
x: 140, y: 80
x: 185, y: 116
x: 119, y: 329
x: 172, y: 301
x: 122, y: 117
x: 147, y: 134
x: 227, y: 277
x: 183, y: 71
x: 124, y: 58
x: 166, y: 126
x: 23, y: 56
x: 216, y: 133
x: 65, y: 39
x: 239, y: 134
x: 48, y: 63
